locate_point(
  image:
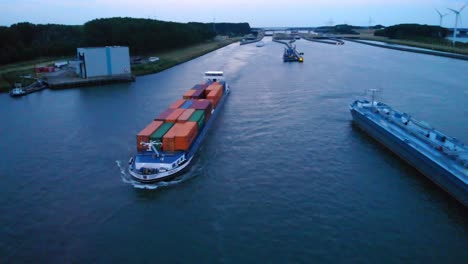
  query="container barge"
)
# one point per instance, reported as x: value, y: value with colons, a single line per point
x: 442, y: 159
x: 167, y: 145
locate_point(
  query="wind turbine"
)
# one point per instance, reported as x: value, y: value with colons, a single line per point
x: 457, y: 14
x: 441, y: 16
x: 370, y: 24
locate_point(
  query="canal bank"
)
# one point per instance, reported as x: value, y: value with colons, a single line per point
x: 410, y: 49
x: 167, y: 60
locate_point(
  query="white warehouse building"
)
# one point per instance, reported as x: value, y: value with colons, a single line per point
x: 103, y: 61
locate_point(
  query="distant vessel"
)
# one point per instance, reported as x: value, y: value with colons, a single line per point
x: 443, y: 159
x: 291, y: 54
x: 168, y: 144
x: 260, y: 44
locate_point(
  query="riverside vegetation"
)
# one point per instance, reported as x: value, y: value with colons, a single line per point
x: 25, y: 45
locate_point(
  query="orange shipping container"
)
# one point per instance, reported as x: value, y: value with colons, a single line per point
x: 214, y: 97
x: 188, y: 94
x: 177, y: 104
x: 184, y: 117
x: 213, y: 86
x: 172, y: 118
x: 180, y: 136
x: 145, y: 134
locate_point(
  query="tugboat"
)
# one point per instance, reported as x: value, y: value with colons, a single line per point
x: 16, y: 92
x: 167, y: 146
x: 34, y: 87
x: 441, y: 158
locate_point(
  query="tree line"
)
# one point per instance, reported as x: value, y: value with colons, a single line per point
x: 412, y: 31
x: 25, y: 41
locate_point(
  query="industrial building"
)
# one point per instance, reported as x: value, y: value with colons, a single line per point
x: 103, y: 62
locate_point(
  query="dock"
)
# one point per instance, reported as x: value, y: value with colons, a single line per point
x: 72, y: 82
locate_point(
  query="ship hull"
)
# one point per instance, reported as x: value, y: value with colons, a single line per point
x: 432, y: 170
x: 158, y: 177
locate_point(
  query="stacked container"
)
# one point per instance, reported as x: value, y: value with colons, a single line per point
x: 214, y: 92
x: 198, y: 117
x: 172, y: 118
x: 177, y: 104
x: 145, y: 134
x: 163, y: 116
x: 180, y: 136
x: 160, y: 132
x: 205, y: 105
x: 185, y: 116
x: 178, y: 125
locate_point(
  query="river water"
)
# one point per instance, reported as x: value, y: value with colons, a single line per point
x: 283, y: 175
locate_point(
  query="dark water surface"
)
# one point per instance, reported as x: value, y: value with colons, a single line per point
x: 283, y: 176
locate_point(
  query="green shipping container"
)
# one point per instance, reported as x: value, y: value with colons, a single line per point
x: 197, y: 116
x: 160, y: 132
x: 201, y: 122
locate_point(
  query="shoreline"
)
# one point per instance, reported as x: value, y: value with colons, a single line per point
x: 167, y: 60
x: 433, y: 52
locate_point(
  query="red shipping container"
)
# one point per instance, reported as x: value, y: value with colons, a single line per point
x: 188, y: 94
x: 177, y: 103
x: 163, y: 116
x: 145, y: 134
x: 214, y: 97
x: 185, y: 116
x: 172, y: 118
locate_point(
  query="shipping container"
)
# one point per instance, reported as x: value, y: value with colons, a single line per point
x: 198, y: 117
x: 187, y: 104
x: 163, y: 116
x: 144, y: 135
x: 174, y: 115
x: 199, y: 94
x: 177, y: 104
x: 200, y: 86
x: 184, y: 117
x: 214, y: 96
x: 161, y: 131
x: 203, y: 104
x: 213, y: 86
x: 188, y: 94
x: 180, y: 136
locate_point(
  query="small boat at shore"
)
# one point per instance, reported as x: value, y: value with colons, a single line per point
x: 442, y: 159
x: 167, y: 146
x: 34, y: 87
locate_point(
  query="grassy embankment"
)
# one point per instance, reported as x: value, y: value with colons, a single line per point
x: 369, y: 35
x: 174, y: 57
x: 11, y: 73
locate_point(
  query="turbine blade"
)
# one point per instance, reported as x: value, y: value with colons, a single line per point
x: 440, y: 14
x: 455, y: 11
x: 462, y: 7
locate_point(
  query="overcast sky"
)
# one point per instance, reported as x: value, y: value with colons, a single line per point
x: 258, y: 13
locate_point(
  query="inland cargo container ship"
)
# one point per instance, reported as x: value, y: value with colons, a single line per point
x: 168, y: 144
x: 442, y: 159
